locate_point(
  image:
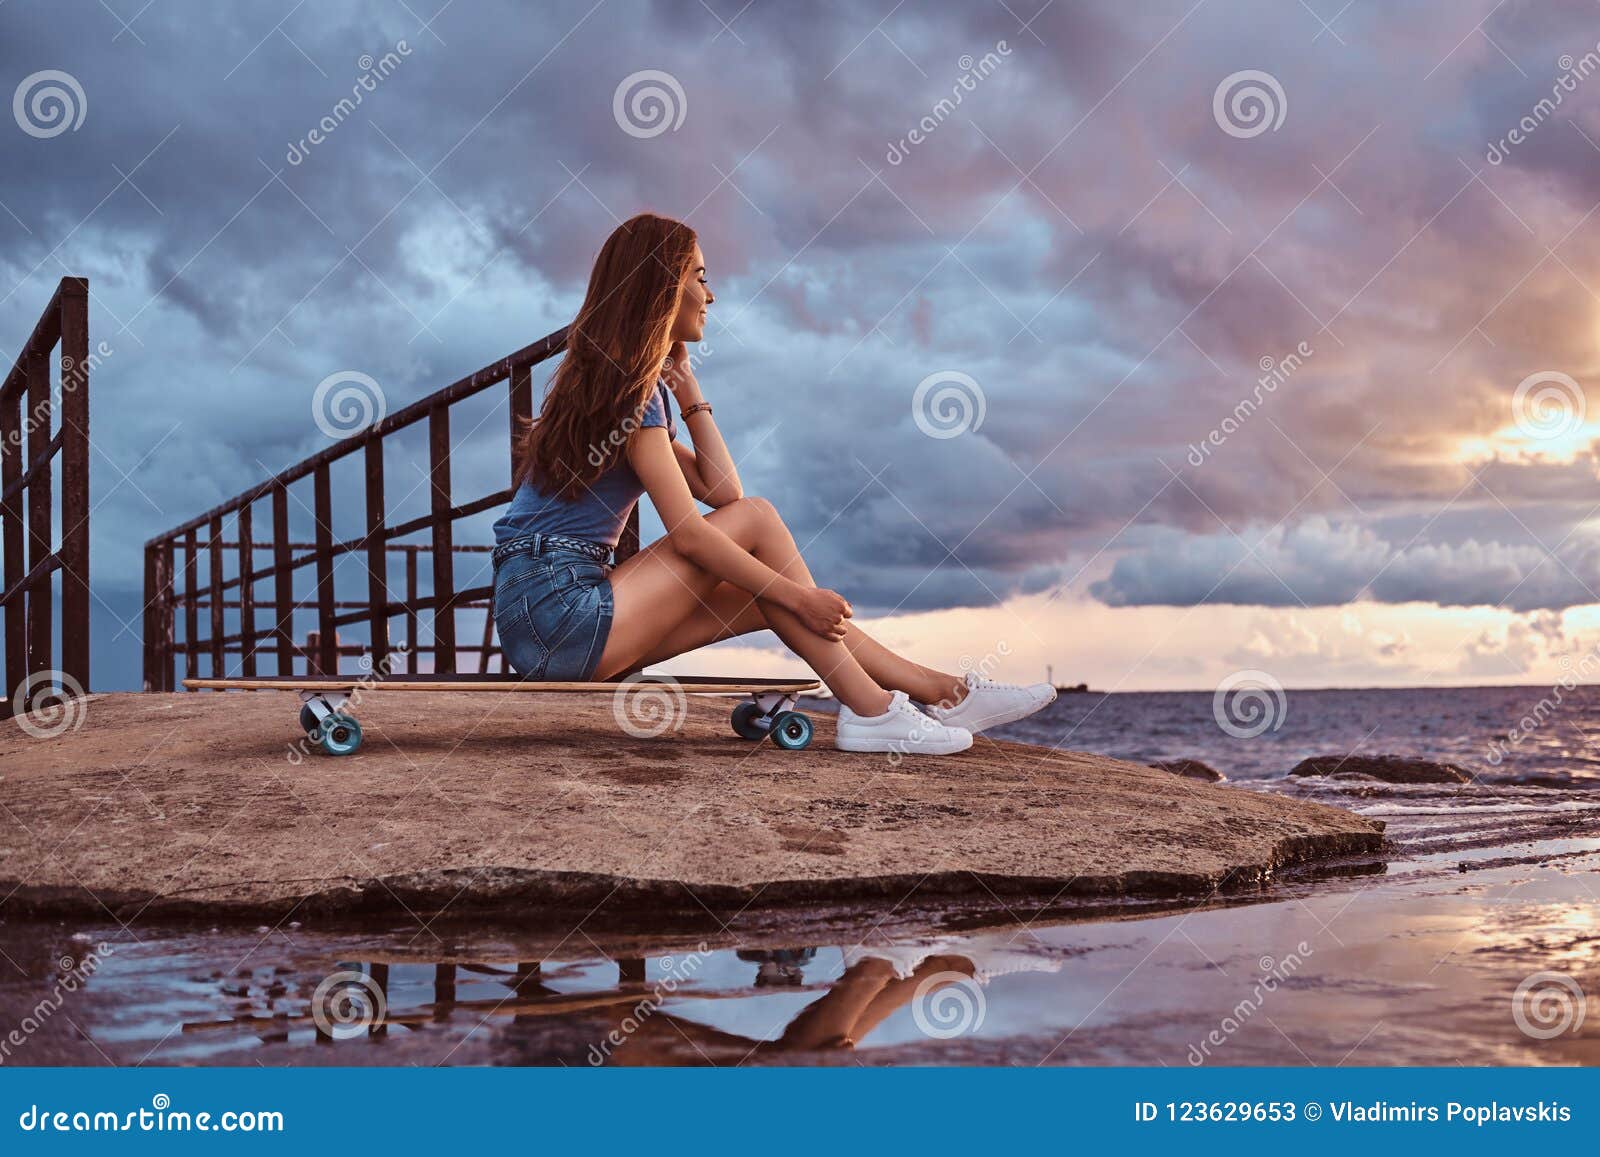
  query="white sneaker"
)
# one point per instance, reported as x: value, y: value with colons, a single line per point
x: 989, y: 704
x: 902, y: 730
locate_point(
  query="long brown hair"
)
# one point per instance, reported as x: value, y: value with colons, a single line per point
x: 615, y: 351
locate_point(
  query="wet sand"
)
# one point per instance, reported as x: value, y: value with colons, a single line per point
x: 534, y: 808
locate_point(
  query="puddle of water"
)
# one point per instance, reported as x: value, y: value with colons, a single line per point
x: 1417, y: 966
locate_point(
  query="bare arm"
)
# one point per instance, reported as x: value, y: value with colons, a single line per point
x: 708, y: 468
x: 651, y: 456
x: 692, y: 464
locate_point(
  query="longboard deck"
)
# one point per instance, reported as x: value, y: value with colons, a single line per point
x: 692, y: 684
x: 325, y: 717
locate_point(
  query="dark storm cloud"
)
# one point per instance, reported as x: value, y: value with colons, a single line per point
x: 1078, y: 235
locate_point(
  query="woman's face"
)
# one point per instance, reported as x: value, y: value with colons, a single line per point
x: 690, y: 324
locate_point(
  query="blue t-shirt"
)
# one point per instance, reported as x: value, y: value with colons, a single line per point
x: 598, y: 513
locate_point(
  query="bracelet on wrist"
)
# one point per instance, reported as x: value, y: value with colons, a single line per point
x: 697, y: 407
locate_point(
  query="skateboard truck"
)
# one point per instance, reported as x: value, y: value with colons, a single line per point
x: 772, y: 713
x: 324, y: 720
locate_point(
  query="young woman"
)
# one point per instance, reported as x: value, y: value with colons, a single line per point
x: 605, y: 435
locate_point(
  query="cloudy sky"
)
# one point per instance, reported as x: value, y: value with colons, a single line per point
x: 1152, y: 341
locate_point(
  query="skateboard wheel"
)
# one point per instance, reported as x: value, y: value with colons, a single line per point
x: 745, y: 716
x: 791, y: 730
x: 308, y: 722
x: 341, y: 735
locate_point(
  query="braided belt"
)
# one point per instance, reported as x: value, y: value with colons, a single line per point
x: 536, y: 543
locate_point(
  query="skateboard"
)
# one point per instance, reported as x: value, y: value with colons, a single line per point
x: 326, y: 701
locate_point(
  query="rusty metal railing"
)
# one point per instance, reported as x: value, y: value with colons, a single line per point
x: 30, y: 438
x: 230, y: 530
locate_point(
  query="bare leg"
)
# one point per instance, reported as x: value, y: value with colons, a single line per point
x: 730, y: 612
x: 659, y: 586
x: 829, y: 1022
x: 898, y: 991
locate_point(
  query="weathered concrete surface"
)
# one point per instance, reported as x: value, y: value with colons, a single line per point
x: 527, y: 804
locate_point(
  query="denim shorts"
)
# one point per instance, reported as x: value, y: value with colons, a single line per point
x: 552, y: 610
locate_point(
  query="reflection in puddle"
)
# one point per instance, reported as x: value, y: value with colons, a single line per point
x: 641, y: 1009
x: 1412, y: 967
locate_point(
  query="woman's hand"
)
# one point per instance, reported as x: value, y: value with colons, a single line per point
x: 680, y: 377
x: 823, y: 612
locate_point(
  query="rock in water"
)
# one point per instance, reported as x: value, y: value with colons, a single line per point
x: 1189, y: 769
x: 1389, y: 768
